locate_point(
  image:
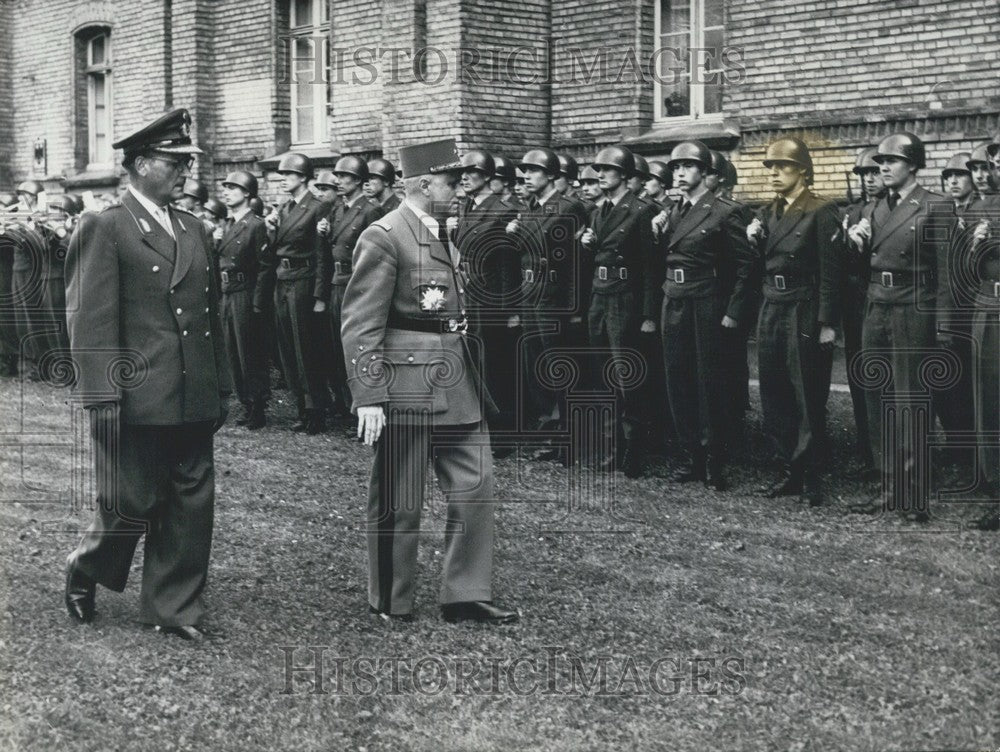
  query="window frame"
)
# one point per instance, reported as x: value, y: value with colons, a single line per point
x: 317, y: 30
x: 696, y: 91
x: 92, y: 71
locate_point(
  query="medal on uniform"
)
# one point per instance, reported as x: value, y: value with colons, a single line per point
x: 432, y: 298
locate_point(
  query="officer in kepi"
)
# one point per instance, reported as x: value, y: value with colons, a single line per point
x: 147, y: 344
x: 419, y: 397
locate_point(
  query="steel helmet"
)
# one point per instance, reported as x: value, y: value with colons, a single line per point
x: 615, y: 156
x: 31, y: 187
x: 64, y: 202
x: 480, y: 161
x: 326, y: 178
x: 216, y: 208
x: 718, y: 163
x: 543, y: 159
x: 789, y: 149
x: 503, y: 169
x: 732, y: 174
x: 589, y: 175
x: 641, y: 166
x: 568, y: 167
x: 352, y: 165
x: 242, y: 179
x: 691, y: 151
x: 903, y: 145
x: 295, y: 162
x: 661, y: 172
x: 195, y: 190
x: 382, y: 168
x: 980, y: 154
x: 257, y: 206
x: 865, y: 160
x: 958, y: 163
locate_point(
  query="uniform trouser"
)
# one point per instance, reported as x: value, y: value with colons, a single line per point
x: 986, y: 334
x: 695, y: 386
x: 613, y: 324
x: 953, y: 405
x: 498, y: 353
x: 855, y: 294
x: 158, y: 481
x: 896, y: 339
x: 543, y: 333
x: 40, y: 314
x: 463, y: 464
x: 8, y: 315
x: 794, y: 380
x: 338, y: 368
x: 301, y: 338
x: 245, y: 343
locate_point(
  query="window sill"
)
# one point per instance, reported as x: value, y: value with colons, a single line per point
x: 715, y: 133
x: 94, y: 177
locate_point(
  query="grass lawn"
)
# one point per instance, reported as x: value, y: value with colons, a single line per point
x: 717, y: 621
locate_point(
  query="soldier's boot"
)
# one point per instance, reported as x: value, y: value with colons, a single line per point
x: 8, y: 366
x: 812, y: 488
x: 257, y: 417
x: 694, y: 469
x: 716, y: 478
x: 316, y: 422
x: 632, y: 463
x: 788, y: 483
x: 245, y: 417
x: 303, y: 421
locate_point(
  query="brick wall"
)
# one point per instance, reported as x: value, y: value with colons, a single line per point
x: 6, y: 95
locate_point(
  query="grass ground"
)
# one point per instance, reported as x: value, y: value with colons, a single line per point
x: 722, y: 621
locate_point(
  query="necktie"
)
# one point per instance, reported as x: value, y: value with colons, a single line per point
x: 893, y: 200
x: 685, y: 208
x: 470, y: 205
x: 606, y: 208
x: 164, y: 220
x: 779, y: 210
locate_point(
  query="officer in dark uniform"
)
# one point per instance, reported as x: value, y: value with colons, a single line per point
x: 796, y: 235
x: 292, y: 262
x: 901, y: 234
x: 242, y: 248
x: 338, y: 232
x: 381, y: 179
x: 856, y: 273
x: 147, y: 344
x: 623, y: 291
x: 704, y: 234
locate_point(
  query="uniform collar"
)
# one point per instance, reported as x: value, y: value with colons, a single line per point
x: 147, y: 203
x: 428, y: 221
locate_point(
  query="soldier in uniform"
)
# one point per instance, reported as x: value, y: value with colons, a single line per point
x: 590, y: 188
x: 32, y: 257
x: 657, y: 184
x: 324, y: 185
x: 338, y: 231
x: 703, y: 236
x: 193, y: 198
x: 8, y: 322
x: 856, y: 273
x: 502, y: 182
x: 796, y: 235
x: 242, y: 248
x: 381, y: 179
x: 569, y: 170
x: 404, y: 323
x: 623, y: 292
x: 982, y: 170
x: 899, y: 233
x: 147, y: 343
x: 291, y: 271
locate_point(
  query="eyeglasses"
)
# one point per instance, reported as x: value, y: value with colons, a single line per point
x: 178, y: 163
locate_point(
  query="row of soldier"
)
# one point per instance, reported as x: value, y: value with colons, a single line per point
x: 653, y: 268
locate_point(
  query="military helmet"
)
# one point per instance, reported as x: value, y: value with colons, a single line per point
x: 980, y: 154
x: 503, y: 169
x: 257, y: 206
x: 732, y: 174
x: 351, y: 165
x: 958, y: 163
x: 993, y: 146
x: 904, y: 146
x: 615, y: 156
x: 568, y: 167
x: 64, y: 202
x: 691, y: 151
x: 7, y: 199
x: 641, y: 166
x: 295, y: 162
x: 718, y: 163
x: 31, y: 187
x: 589, y: 175
x: 326, y: 178
x: 242, y: 179
x: 789, y: 149
x: 480, y: 161
x: 661, y: 172
x: 216, y: 208
x: 382, y: 168
x: 865, y: 160
x: 195, y: 190
x: 543, y: 159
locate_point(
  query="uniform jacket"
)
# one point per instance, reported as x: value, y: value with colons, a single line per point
x: 391, y: 204
x: 625, y: 240
x: 710, y: 238
x: 295, y: 238
x: 969, y: 269
x: 804, y: 247
x: 336, y: 247
x: 402, y: 274
x: 242, y: 250
x: 143, y: 316
x: 551, y: 267
x: 489, y: 257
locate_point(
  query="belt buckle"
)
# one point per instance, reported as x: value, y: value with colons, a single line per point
x: 552, y: 276
x: 240, y: 277
x: 622, y: 272
x: 529, y: 275
x: 336, y: 267
x: 779, y: 282
x: 996, y: 289
x: 679, y: 276
x: 225, y: 278
x: 887, y: 279
x: 286, y: 263
x: 602, y: 272
x: 461, y: 326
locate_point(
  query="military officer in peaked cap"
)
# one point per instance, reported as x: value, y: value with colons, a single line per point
x: 419, y: 397
x: 147, y: 343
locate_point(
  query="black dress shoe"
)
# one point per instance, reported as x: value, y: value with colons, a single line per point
x: 245, y: 417
x: 632, y: 464
x: 692, y: 472
x: 716, y: 478
x: 481, y: 611
x: 257, y: 418
x: 989, y: 522
x: 499, y: 452
x: 301, y: 425
x: 921, y: 517
x: 187, y: 632
x: 316, y: 424
x: 789, y: 484
x: 80, y: 592
x: 872, y: 507
x: 385, y: 616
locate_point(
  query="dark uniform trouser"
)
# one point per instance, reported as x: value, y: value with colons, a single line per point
x: 300, y: 338
x: 691, y: 343
x: 463, y: 464
x: 498, y: 344
x: 953, y: 405
x: 338, y: 368
x: 613, y: 323
x: 543, y: 332
x: 8, y: 314
x: 986, y: 334
x: 794, y: 380
x: 855, y: 293
x: 904, y: 336
x: 157, y: 480
x: 245, y: 345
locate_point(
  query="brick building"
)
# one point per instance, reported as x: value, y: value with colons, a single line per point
x: 262, y: 77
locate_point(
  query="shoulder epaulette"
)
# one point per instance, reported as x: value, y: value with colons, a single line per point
x: 185, y: 211
x: 382, y: 224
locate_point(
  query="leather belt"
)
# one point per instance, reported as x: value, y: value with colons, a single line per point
x: 341, y: 267
x: 287, y: 262
x: 433, y: 326
x: 899, y: 278
x: 228, y: 277
x: 611, y: 272
x: 788, y: 282
x: 681, y: 276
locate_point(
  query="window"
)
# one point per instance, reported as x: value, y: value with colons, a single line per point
x: 98, y: 73
x: 690, y: 41
x: 309, y: 22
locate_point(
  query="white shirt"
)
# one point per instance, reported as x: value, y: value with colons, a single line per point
x: 552, y: 192
x: 237, y: 216
x: 160, y: 213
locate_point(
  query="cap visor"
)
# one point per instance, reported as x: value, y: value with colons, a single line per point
x: 185, y: 149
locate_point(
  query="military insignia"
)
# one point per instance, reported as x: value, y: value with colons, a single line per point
x: 185, y: 126
x: 432, y: 299
x: 144, y: 225
x: 961, y: 223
